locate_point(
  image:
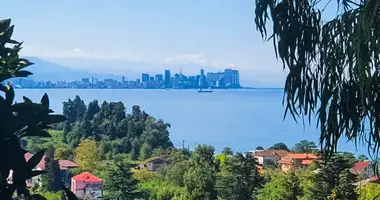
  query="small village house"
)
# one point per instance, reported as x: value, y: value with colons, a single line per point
x: 87, y: 185
x: 294, y: 160
x: 268, y: 156
x: 153, y: 164
x: 363, y: 169
x: 64, y: 166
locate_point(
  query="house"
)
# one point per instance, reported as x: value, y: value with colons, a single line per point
x: 153, y: 164
x: 64, y: 166
x: 268, y: 156
x: 293, y: 160
x: 363, y: 169
x: 87, y: 185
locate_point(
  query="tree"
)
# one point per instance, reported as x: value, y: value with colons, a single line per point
x: 120, y: 184
x: 345, y: 188
x: 52, y: 181
x: 145, y: 151
x: 87, y: 155
x: 281, y: 186
x: 19, y: 120
x: 330, y: 175
x: 305, y: 146
x: 279, y: 146
x: 199, y: 180
x: 362, y: 157
x: 239, y: 178
x: 332, y: 65
x: 227, y: 151
x: 259, y: 148
x: 369, y: 191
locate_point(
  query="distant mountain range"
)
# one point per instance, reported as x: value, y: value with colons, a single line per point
x: 48, y: 71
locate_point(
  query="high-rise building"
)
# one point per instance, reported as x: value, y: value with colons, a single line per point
x: 167, y: 78
x: 202, y: 80
x: 214, y: 77
x: 145, y: 77
x: 123, y: 79
x: 231, y: 78
x: 235, y: 78
x: 176, y: 79
x: 151, y: 79
x: 159, y: 78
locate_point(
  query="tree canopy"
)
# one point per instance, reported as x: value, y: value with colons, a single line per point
x: 305, y: 146
x: 332, y: 65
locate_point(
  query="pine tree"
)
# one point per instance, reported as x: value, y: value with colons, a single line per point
x: 52, y: 180
x: 120, y: 183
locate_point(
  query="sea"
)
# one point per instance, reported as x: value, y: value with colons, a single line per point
x: 241, y: 119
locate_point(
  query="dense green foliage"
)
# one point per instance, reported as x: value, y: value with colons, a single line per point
x: 239, y: 178
x: 19, y: 120
x: 305, y: 146
x: 119, y: 182
x: 279, y: 146
x: 369, y: 191
x: 137, y: 134
x: 52, y: 180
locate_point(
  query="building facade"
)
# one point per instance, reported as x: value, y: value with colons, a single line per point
x: 86, y: 185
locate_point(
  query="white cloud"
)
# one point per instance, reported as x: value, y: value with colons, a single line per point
x: 191, y: 59
x: 158, y: 58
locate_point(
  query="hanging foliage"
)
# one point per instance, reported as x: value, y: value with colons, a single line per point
x: 333, y: 66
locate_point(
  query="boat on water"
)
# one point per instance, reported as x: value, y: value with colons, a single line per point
x: 204, y: 91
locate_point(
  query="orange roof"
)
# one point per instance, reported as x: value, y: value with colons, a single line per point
x: 307, y: 162
x: 87, y: 177
x: 302, y: 156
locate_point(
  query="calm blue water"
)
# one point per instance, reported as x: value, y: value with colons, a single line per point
x: 240, y: 119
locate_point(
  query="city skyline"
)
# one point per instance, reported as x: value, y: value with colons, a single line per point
x: 227, y: 79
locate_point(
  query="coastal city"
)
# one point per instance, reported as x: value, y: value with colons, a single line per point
x: 229, y: 78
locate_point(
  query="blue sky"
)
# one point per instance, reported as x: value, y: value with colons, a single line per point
x: 211, y: 33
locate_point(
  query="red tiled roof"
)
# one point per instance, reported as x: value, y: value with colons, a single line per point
x: 87, y: 177
x: 302, y: 156
x: 270, y: 153
x: 63, y: 164
x: 359, y: 166
x: 306, y: 162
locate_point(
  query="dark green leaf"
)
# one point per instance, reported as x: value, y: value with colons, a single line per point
x: 51, y: 119
x: 35, y: 159
x: 4, y: 24
x: 10, y: 94
x: 22, y: 73
x: 36, y: 132
x: 45, y: 101
x: 26, y: 99
x: 70, y: 195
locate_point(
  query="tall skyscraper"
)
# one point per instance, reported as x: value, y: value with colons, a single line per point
x: 231, y: 78
x: 123, y: 79
x: 167, y: 78
x: 202, y: 79
x: 144, y: 77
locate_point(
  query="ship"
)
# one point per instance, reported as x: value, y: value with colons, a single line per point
x: 204, y: 91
